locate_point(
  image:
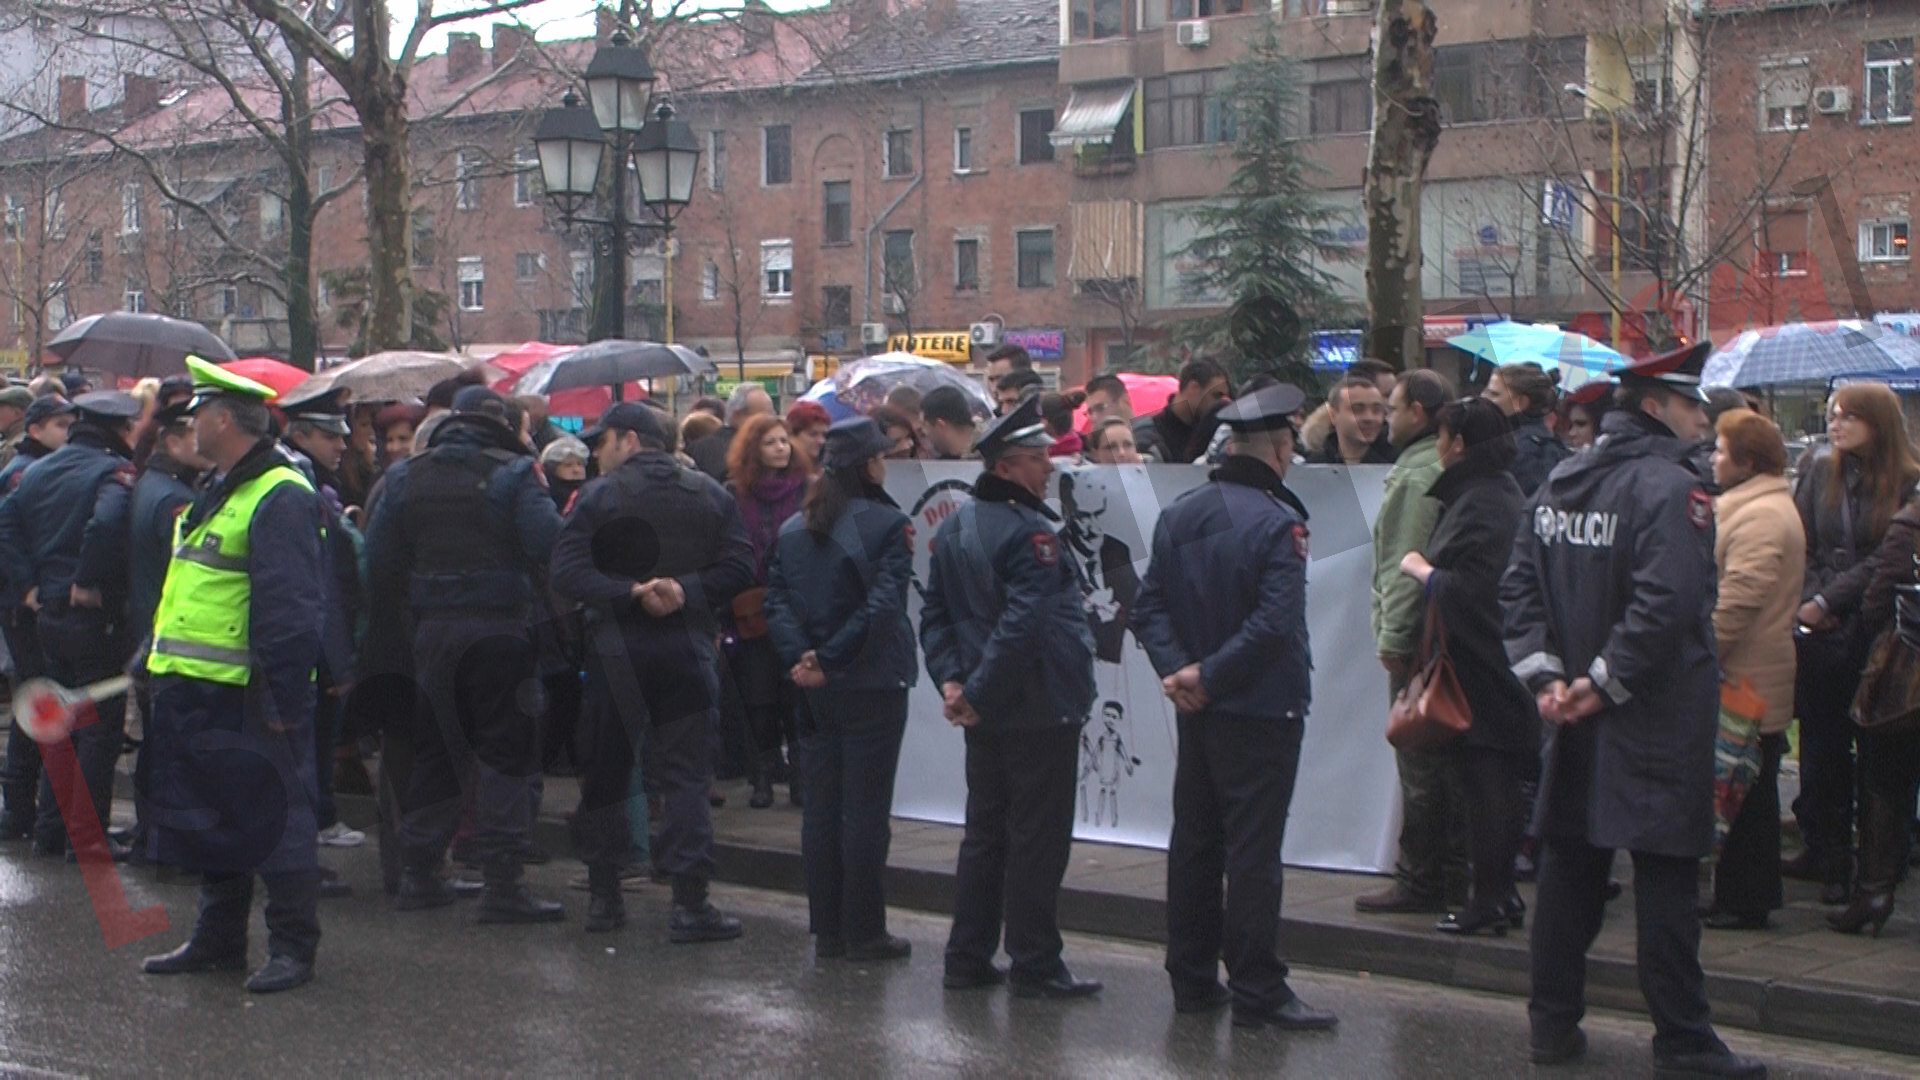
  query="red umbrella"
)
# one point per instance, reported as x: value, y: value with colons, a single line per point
x: 265, y: 369
x: 587, y: 401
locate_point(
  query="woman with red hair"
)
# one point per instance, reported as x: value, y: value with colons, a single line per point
x: 807, y: 424
x: 767, y: 474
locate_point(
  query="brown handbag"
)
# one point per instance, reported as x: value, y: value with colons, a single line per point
x: 750, y: 614
x: 1431, y: 711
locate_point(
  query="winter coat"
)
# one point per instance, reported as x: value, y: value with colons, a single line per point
x: 66, y: 524
x: 1536, y: 452
x: 1470, y: 547
x: 1612, y: 579
x: 1761, y: 551
x: 1407, y: 514
x: 1893, y: 563
x: 1840, y: 533
x: 1379, y: 452
x: 844, y: 597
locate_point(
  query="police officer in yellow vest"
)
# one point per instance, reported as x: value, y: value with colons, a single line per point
x: 235, y: 642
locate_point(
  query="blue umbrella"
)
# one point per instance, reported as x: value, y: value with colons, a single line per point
x: 1577, y: 357
x: 824, y: 395
x: 1812, y: 352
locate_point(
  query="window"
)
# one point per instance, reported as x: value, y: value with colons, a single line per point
x: 776, y: 155
x: 227, y: 303
x: 16, y: 226
x: 466, y: 180
x: 1204, y: 9
x: 580, y: 270
x: 1646, y: 222
x: 896, y: 153
x: 1188, y: 110
x: 716, y: 161
x: 966, y: 264
x: 1889, y: 95
x: 1097, y: 19
x: 135, y: 298
x: 129, y: 209
x: 1034, y: 249
x: 1652, y: 83
x: 322, y: 293
x: 963, y: 149
x: 473, y: 284
x: 776, y: 269
x: 1035, y: 126
x: 322, y: 179
x: 836, y: 214
x: 1784, y: 89
x: 527, y: 265
x: 1506, y: 80
x: 273, y: 215
x: 424, y: 241
x: 897, y: 262
x: 1342, y: 106
x: 56, y: 216
x: 1783, y: 242
x: 710, y: 282
x: 1883, y: 241
x: 526, y: 173
x: 836, y: 306
x: 96, y: 257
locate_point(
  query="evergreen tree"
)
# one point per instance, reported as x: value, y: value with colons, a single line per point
x: 1266, y: 243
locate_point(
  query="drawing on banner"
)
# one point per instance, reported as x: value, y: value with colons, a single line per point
x: 1104, y: 759
x: 1106, y: 562
x: 935, y: 505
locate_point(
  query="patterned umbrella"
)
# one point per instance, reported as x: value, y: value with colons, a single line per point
x: 1812, y: 352
x: 861, y: 384
x: 1578, y: 358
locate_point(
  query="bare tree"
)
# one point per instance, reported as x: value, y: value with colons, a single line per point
x: 1406, y: 128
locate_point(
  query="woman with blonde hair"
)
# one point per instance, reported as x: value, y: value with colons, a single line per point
x: 1847, y: 493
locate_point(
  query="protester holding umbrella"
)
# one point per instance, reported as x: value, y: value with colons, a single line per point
x: 1847, y: 492
x: 768, y: 477
x: 837, y: 608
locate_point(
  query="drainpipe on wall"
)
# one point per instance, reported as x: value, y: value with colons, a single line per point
x: 866, y: 302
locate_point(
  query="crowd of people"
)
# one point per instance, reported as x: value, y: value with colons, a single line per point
x: 469, y: 595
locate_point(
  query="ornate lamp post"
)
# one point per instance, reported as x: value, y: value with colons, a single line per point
x: 666, y: 155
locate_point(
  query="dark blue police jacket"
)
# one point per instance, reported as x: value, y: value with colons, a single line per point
x: 1005, y: 614
x: 66, y: 523
x: 1227, y: 589
x: 162, y: 492
x: 844, y: 596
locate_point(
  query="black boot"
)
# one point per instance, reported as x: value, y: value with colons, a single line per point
x: 1883, y: 834
x: 422, y: 889
x: 762, y: 778
x: 695, y: 920
x: 195, y: 957
x: 606, y: 909
x: 506, y: 900
x: 280, y: 973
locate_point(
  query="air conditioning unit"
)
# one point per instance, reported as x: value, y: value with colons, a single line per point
x: 1830, y: 100
x: 894, y: 304
x: 1194, y: 33
x: 984, y: 334
x: 873, y: 333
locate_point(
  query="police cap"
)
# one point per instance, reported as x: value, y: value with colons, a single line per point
x: 1269, y: 408
x: 76, y: 382
x: 17, y: 396
x: 46, y: 407
x: 853, y: 442
x: 327, y: 412
x: 1020, y: 429
x: 627, y: 416
x: 1678, y: 371
x: 112, y: 406
x: 211, y: 381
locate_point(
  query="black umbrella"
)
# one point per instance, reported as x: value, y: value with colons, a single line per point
x: 137, y: 345
x: 611, y: 363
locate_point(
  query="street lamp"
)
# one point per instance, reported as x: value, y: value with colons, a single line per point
x: 666, y: 156
x: 1613, y: 122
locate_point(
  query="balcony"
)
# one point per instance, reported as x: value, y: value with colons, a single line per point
x: 1104, y: 159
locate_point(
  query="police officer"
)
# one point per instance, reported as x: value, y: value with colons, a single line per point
x: 235, y: 640
x: 1006, y: 637
x: 1223, y: 616
x: 14, y: 402
x: 460, y: 535
x: 1609, y: 604
x: 654, y: 550
x: 316, y: 436
x: 63, y: 543
x: 47, y: 419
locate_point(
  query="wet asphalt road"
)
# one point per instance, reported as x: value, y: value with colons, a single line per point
x: 434, y: 994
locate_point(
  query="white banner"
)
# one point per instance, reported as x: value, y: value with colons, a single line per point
x: 1346, y: 803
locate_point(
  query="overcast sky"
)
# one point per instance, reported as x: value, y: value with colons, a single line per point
x: 550, y: 19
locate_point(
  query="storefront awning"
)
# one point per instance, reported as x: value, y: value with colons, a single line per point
x: 1093, y: 114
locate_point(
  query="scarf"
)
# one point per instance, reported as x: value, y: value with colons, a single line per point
x: 766, y: 505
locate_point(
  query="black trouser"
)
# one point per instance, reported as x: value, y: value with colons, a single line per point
x: 1568, y: 906
x: 293, y: 913
x: 1891, y: 764
x: 1746, y: 880
x: 850, y: 754
x: 326, y: 741
x: 769, y: 700
x: 1433, y: 823
x: 1496, y: 818
x: 20, y: 782
x: 655, y: 686
x: 1824, y: 684
x: 1232, y: 786
x: 481, y: 685
x: 1019, y: 837
x: 83, y: 645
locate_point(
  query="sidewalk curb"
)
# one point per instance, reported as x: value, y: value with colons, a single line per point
x: 1796, y: 1009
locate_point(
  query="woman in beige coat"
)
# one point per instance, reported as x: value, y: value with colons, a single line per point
x: 1760, y: 548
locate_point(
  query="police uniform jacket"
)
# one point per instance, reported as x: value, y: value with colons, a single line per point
x: 1613, y: 578
x: 1227, y: 589
x: 1536, y: 451
x: 66, y: 523
x: 512, y: 535
x: 1005, y: 612
x: 844, y: 596
x: 341, y: 583
x: 652, y: 518
x: 164, y: 489
x: 29, y: 451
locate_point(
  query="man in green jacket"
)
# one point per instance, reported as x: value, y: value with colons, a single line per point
x: 1432, y: 868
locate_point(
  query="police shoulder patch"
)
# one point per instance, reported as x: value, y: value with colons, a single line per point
x: 1046, y: 548
x: 1699, y: 508
x: 124, y: 475
x: 1300, y: 536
